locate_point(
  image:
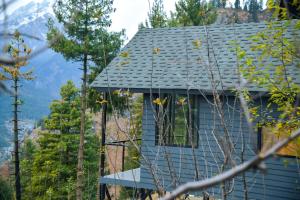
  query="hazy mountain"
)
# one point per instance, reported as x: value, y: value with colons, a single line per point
x: 50, y: 69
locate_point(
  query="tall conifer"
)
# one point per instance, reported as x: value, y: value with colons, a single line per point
x: 18, y: 51
x: 82, y: 20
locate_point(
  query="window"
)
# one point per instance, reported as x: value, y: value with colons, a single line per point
x: 176, y: 120
x: 268, y: 136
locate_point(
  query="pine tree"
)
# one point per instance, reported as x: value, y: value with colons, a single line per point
x: 82, y: 21
x: 105, y: 48
x: 253, y: 10
x: 5, y: 190
x: 245, y: 7
x: 172, y: 21
x: 157, y: 16
x: 261, y: 5
x: 194, y: 12
x: 223, y: 3
x: 27, y: 158
x: 216, y: 3
x: 237, y: 4
x: 50, y: 166
x: 65, y: 113
x: 17, y: 50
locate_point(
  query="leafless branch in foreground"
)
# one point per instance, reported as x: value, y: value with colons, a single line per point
x: 9, y: 35
x: 255, y: 161
x: 6, y: 61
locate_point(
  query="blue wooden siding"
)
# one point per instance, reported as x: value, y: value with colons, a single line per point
x: 282, y: 180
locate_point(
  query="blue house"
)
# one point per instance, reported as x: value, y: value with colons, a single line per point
x: 193, y: 123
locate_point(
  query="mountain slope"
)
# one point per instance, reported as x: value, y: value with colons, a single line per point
x: 50, y: 69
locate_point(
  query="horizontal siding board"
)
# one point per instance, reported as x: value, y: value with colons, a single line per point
x: 280, y: 181
x: 286, y: 181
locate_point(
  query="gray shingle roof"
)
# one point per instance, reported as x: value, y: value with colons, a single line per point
x: 167, y: 59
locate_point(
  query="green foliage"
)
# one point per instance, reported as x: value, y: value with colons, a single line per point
x: 65, y: 113
x: 49, y: 166
x: 245, y: 7
x: 288, y: 10
x: 237, y: 4
x: 272, y: 44
x: 254, y: 8
x: 218, y: 3
x: 157, y: 16
x: 81, y: 21
x: 172, y: 21
x: 85, y: 24
x: 52, y: 168
x: 194, y: 12
x: 103, y: 54
x: 6, y: 192
x: 27, y: 158
x: 19, y: 51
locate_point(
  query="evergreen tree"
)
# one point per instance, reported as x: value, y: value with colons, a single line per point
x: 82, y: 20
x: 216, y: 3
x: 172, y: 21
x: 253, y: 10
x: 50, y: 167
x: 261, y: 5
x: 237, y: 4
x: 17, y: 50
x: 5, y: 190
x: 105, y: 48
x: 65, y: 113
x: 157, y: 16
x: 27, y: 157
x: 194, y: 12
x: 245, y: 7
x: 223, y: 3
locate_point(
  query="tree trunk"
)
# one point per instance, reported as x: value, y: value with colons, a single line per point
x: 16, y: 141
x: 79, y: 188
x: 101, y: 188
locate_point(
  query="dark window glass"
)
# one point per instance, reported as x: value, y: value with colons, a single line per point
x: 176, y: 120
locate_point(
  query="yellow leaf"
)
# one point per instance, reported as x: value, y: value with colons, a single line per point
x: 197, y: 43
x: 158, y: 101
x: 156, y: 50
x: 181, y: 101
x: 102, y: 101
x: 117, y: 92
x: 124, y: 54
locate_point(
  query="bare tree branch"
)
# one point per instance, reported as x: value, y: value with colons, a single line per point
x: 6, y: 61
x: 9, y: 35
x: 4, y: 5
x: 255, y: 161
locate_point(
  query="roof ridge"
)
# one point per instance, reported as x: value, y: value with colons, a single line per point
x: 216, y: 25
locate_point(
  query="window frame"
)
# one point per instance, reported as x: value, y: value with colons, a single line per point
x: 171, y: 114
x: 260, y: 144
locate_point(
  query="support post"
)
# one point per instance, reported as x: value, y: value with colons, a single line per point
x: 107, y: 194
x: 149, y: 194
x: 103, y: 135
x: 143, y: 194
x: 123, y: 156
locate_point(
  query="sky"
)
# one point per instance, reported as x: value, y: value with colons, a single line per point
x: 129, y: 13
